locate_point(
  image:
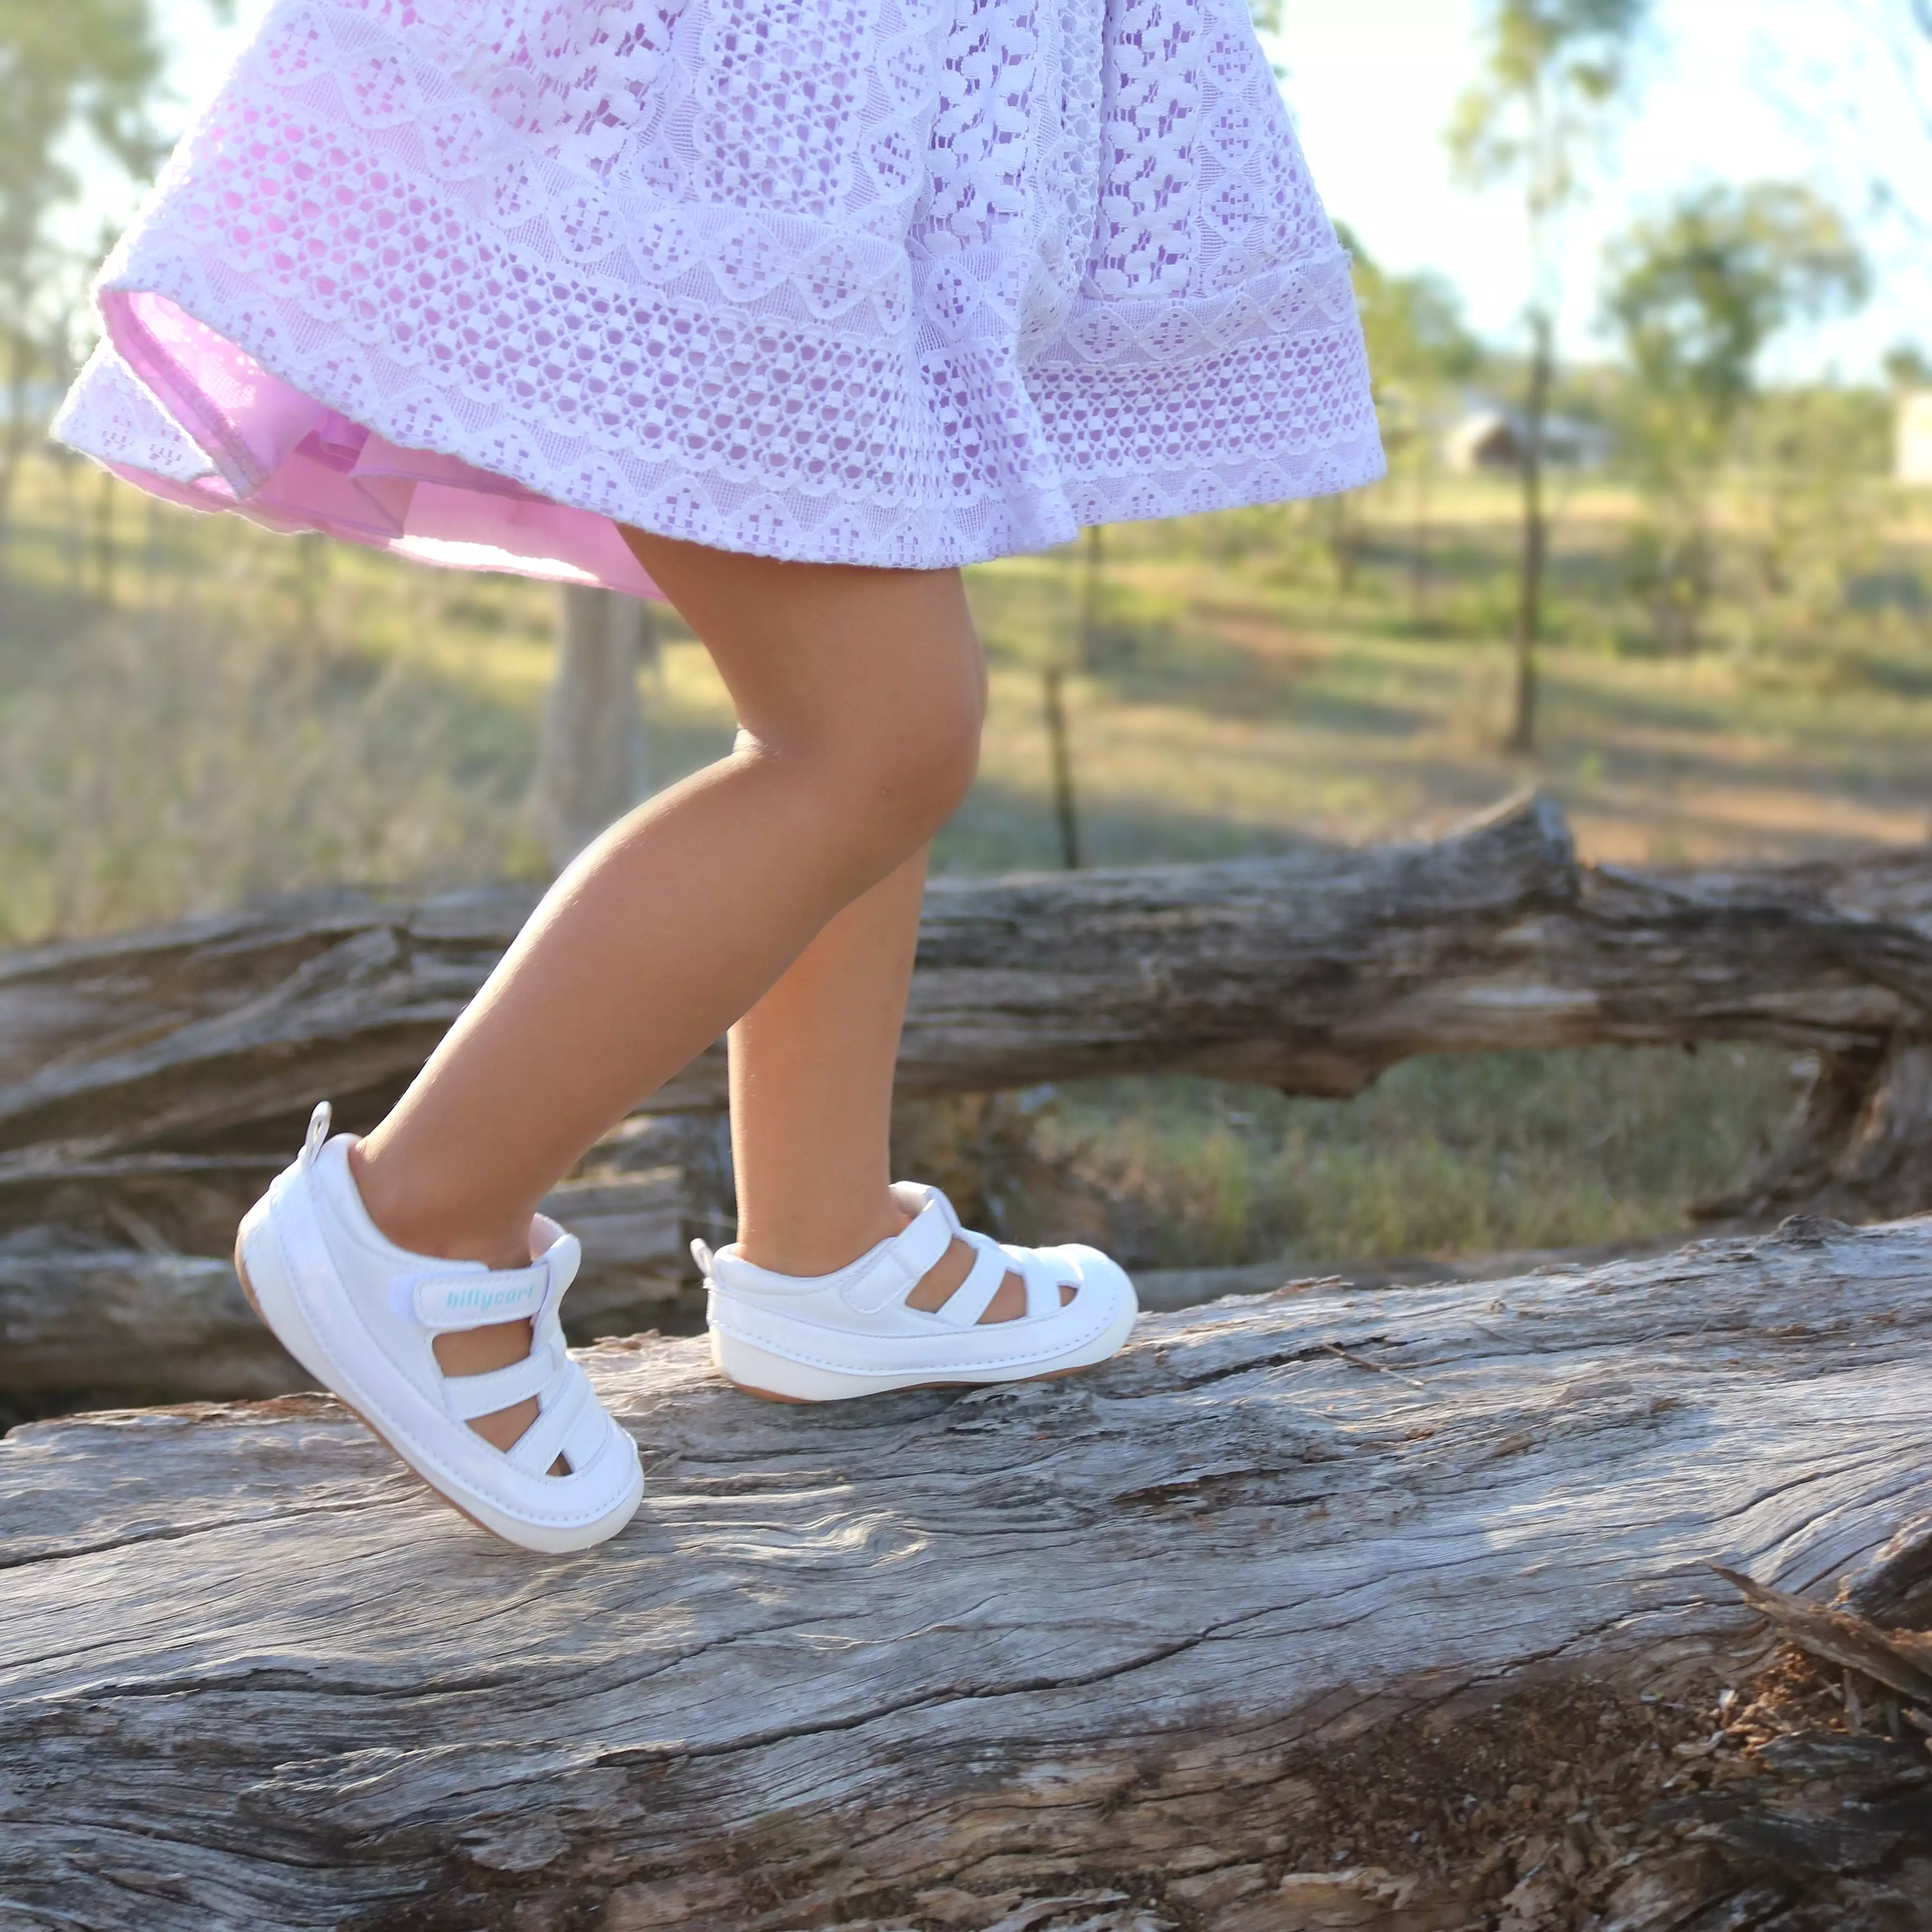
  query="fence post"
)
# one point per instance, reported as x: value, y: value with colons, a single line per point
x: 592, y: 755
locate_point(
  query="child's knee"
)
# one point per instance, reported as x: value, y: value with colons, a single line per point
x: 940, y: 759
x: 883, y: 773
x: 899, y: 777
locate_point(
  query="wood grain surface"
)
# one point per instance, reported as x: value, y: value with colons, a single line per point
x: 1224, y: 1637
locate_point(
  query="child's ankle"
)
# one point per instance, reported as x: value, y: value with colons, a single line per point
x: 408, y: 1214
x: 806, y: 1248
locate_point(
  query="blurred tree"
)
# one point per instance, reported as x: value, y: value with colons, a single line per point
x: 1695, y: 296
x: 593, y: 750
x: 1554, y: 72
x: 1906, y: 365
x: 1819, y: 458
x: 1420, y: 350
x: 84, y: 70
x: 1418, y: 343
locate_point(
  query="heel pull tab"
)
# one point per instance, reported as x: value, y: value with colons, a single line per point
x: 318, y: 1133
x: 701, y: 1252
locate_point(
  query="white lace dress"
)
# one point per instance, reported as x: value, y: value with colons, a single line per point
x: 910, y: 283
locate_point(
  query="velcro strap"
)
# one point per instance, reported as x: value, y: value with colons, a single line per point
x: 974, y: 1295
x: 900, y: 1263
x: 465, y: 1397
x: 445, y: 1301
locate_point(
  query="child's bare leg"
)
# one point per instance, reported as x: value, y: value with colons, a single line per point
x: 811, y: 1086
x: 859, y: 695
x: 811, y: 1095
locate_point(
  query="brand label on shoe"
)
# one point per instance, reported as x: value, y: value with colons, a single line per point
x: 472, y: 1301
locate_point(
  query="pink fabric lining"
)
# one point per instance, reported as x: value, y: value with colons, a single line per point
x: 291, y: 464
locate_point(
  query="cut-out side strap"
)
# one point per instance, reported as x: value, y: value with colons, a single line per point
x: 588, y: 1435
x: 896, y: 1267
x: 883, y: 1274
x: 536, y: 1449
x: 964, y: 1306
x: 465, y: 1397
x: 1044, y: 1276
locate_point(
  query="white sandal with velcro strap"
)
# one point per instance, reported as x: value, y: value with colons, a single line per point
x: 829, y: 1337
x: 362, y: 1314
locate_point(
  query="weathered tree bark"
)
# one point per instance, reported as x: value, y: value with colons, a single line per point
x: 1861, y: 1148
x: 1391, y: 1613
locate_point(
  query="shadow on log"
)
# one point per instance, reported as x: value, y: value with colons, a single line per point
x: 1392, y: 1613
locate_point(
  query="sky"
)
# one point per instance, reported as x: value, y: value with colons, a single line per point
x: 1736, y: 90
x: 1730, y: 90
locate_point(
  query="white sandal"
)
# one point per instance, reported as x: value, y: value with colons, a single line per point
x: 825, y: 1338
x: 362, y: 1314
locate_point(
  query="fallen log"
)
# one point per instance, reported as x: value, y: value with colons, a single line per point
x: 150, y: 1083
x: 1391, y: 1612
x: 1312, y: 973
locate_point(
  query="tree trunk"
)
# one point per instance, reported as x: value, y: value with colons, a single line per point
x: 103, y: 539
x: 1535, y: 533
x: 1860, y: 1144
x: 592, y: 756
x: 1392, y: 1613
x: 15, y: 441
x: 1422, y: 536
x: 1066, y: 814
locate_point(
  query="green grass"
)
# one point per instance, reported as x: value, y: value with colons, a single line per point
x: 228, y: 713
x: 1442, y: 1157
x: 253, y: 715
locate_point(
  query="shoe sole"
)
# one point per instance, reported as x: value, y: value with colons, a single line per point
x: 837, y: 1387
x: 315, y: 1359
x: 902, y: 1388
